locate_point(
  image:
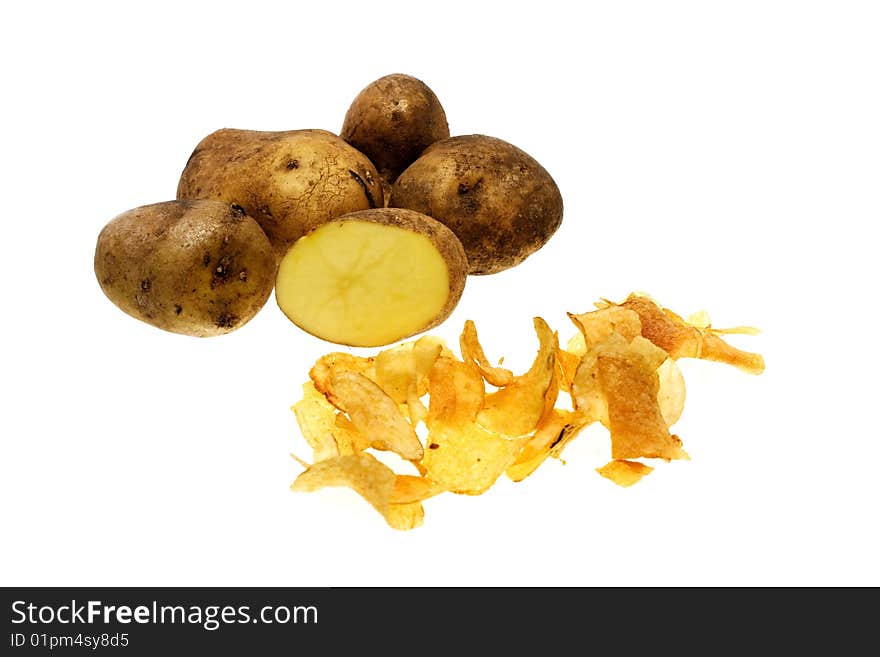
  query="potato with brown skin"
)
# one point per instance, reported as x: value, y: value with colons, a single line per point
x: 500, y: 202
x: 392, y: 120
x: 196, y: 267
x: 290, y: 181
x: 371, y: 278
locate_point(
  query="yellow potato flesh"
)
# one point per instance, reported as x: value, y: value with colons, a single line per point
x: 362, y: 284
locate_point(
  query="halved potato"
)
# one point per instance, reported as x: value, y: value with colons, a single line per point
x: 371, y: 278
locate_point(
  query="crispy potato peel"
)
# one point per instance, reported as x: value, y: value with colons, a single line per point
x: 618, y: 370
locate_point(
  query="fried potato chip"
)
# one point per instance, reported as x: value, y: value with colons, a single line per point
x: 587, y: 395
x: 426, y: 351
x: 654, y: 356
x: 576, y: 345
x: 516, y: 409
x: 348, y: 439
x: 630, y: 385
x: 700, y: 320
x: 363, y: 473
x: 712, y: 347
x: 409, y: 488
x: 396, y: 371
x: 549, y: 439
x: 416, y: 409
x: 735, y: 330
x: 326, y: 366
x: 374, y: 414
x: 682, y: 340
x: 456, y: 392
x: 402, y: 371
x: 467, y: 458
x: 316, y: 418
x: 405, y: 516
x: 671, y: 394
x: 624, y: 473
x: 597, y: 325
x: 371, y: 479
x: 472, y: 351
x: 619, y: 369
x: 552, y: 392
x: 567, y: 364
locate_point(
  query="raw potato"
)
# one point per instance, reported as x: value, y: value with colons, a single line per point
x: 499, y: 201
x: 290, y: 182
x: 199, y: 268
x: 371, y: 278
x: 392, y: 121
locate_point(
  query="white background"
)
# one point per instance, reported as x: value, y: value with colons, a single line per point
x: 718, y: 155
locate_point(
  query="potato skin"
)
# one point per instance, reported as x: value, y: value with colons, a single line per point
x: 195, y: 267
x: 290, y: 181
x: 443, y: 239
x: 500, y: 202
x: 392, y: 120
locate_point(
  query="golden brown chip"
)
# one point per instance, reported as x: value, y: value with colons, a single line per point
x: 405, y: 516
x: 682, y: 340
x: 374, y: 414
x: 416, y: 409
x: 339, y: 361
x: 549, y: 439
x: 395, y: 371
x: 467, y: 458
x: 630, y: 385
x: 516, y: 409
x: 426, y: 351
x: 587, y: 395
x: 402, y: 371
x: 597, y: 325
x: 456, y: 392
x: 316, y: 418
x: 551, y: 394
x: 348, y: 439
x: 712, y: 347
x: 653, y: 355
x: 409, y: 488
x: 624, y: 473
x: 472, y: 351
x: 363, y: 473
x: 567, y: 364
x: 371, y: 479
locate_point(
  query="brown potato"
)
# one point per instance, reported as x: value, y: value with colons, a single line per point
x: 195, y: 267
x: 392, y: 120
x: 371, y: 278
x: 499, y: 201
x: 290, y: 182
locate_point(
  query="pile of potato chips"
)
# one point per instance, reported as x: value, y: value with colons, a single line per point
x: 618, y: 370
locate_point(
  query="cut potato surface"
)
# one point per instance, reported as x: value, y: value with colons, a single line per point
x: 369, y: 282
